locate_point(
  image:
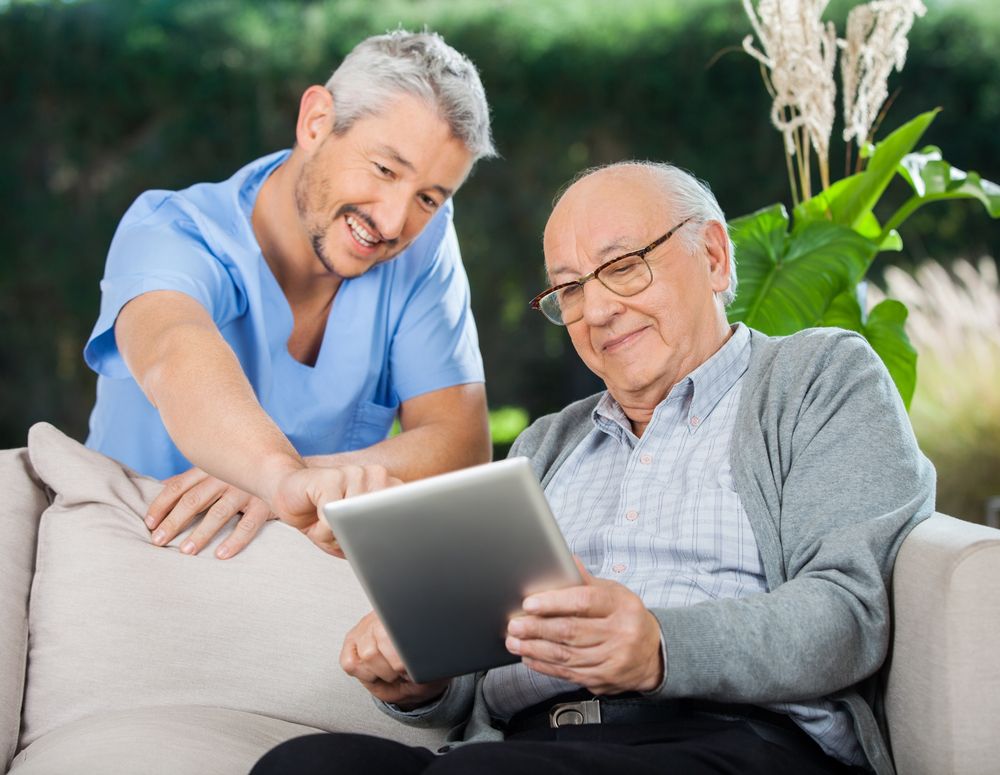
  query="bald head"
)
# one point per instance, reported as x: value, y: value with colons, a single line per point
x: 667, y: 192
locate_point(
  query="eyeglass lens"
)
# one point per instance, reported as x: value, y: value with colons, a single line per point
x: 625, y: 277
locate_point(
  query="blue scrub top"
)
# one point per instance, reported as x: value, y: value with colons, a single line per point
x: 401, y: 329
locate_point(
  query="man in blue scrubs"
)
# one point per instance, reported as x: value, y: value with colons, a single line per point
x: 255, y: 341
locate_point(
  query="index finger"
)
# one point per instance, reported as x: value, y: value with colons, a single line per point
x: 173, y: 489
x: 321, y: 535
x: 582, y: 600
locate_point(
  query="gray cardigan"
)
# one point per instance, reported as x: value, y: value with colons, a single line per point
x: 832, y: 481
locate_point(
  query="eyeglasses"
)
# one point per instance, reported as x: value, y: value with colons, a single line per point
x: 625, y: 275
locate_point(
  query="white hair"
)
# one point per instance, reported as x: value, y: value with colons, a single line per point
x: 690, y: 198
x: 420, y: 64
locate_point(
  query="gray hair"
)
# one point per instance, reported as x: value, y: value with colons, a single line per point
x: 690, y: 197
x: 421, y: 64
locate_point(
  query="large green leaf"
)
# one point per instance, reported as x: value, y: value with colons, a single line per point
x: 932, y: 179
x: 886, y: 333
x: 788, y: 280
x: 854, y: 198
x: 820, y: 207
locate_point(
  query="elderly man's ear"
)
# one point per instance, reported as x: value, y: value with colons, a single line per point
x: 717, y: 252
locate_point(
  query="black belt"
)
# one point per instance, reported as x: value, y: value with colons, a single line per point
x: 582, y: 707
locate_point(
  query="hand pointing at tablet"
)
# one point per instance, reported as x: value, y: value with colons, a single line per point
x: 301, y: 494
x: 598, y: 635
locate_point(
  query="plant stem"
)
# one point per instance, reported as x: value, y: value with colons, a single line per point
x: 798, y: 162
x: 905, y: 211
x: 788, y: 159
x: 877, y: 124
x: 721, y: 53
x: 791, y: 180
x: 767, y: 81
x: 881, y: 115
x: 806, y: 164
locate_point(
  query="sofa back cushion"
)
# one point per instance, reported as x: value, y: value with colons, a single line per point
x: 117, y: 623
x: 22, y: 501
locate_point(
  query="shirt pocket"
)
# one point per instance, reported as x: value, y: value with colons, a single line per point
x: 371, y: 423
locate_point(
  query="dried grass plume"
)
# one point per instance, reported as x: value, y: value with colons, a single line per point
x: 875, y: 45
x: 800, y: 53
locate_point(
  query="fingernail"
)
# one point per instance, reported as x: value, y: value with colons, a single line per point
x: 513, y: 645
x: 149, y: 521
x: 159, y: 537
x: 187, y: 547
x: 530, y: 604
x: 222, y: 552
x: 515, y: 627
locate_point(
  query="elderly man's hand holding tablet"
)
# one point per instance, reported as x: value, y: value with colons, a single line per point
x: 446, y: 562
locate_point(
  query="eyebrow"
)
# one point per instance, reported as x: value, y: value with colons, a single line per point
x: 396, y: 156
x: 617, y: 247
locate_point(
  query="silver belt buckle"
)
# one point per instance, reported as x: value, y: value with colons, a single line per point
x: 570, y: 714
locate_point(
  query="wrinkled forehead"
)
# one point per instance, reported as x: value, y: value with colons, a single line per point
x: 602, y: 216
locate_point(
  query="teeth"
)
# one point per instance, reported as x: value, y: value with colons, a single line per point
x: 361, y: 234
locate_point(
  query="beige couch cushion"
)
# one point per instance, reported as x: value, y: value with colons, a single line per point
x: 943, y: 691
x: 157, y: 741
x: 22, y: 500
x: 118, y: 624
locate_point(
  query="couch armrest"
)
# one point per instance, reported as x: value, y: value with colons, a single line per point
x: 22, y: 500
x: 943, y: 690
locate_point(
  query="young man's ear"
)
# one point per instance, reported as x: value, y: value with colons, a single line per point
x: 315, y: 117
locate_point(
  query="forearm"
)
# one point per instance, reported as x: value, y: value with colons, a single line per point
x: 240, y: 445
x: 432, y: 442
x: 210, y: 411
x: 778, y: 647
x: 413, y: 454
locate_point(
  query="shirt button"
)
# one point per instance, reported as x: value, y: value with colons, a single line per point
x: 632, y: 516
x: 695, y: 421
x: 646, y: 459
x: 618, y: 567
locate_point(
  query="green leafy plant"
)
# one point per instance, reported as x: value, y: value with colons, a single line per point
x: 807, y: 270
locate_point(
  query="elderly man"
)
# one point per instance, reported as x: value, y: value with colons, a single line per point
x: 247, y: 323
x: 736, y: 502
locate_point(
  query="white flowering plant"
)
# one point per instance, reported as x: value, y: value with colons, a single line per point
x: 805, y: 270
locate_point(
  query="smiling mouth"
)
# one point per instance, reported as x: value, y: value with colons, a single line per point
x: 360, y: 233
x: 622, y: 341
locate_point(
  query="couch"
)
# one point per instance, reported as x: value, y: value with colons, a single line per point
x: 120, y: 657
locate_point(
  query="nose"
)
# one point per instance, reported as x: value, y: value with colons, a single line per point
x: 600, y: 305
x: 392, y: 216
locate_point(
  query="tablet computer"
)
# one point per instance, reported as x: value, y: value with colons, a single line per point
x: 446, y: 561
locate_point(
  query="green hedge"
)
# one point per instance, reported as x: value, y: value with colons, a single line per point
x: 101, y: 100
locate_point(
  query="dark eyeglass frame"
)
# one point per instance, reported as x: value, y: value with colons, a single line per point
x: 536, y: 303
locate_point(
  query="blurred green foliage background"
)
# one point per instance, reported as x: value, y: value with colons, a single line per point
x: 102, y: 99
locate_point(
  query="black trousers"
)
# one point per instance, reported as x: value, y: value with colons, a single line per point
x: 689, y: 746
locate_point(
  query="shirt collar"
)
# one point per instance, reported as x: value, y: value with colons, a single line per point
x: 716, y: 376
x: 703, y: 388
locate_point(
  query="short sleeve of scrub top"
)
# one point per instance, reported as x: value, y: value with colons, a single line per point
x: 157, y: 248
